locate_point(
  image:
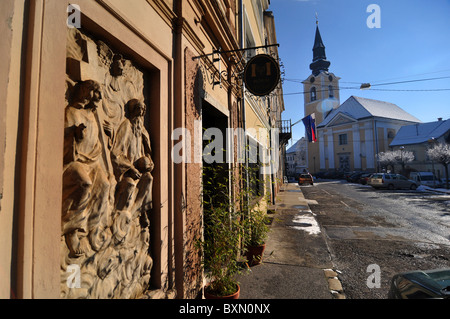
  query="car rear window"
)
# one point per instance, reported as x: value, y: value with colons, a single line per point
x: 377, y: 176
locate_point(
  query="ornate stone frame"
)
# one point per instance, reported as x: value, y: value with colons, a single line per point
x: 39, y: 230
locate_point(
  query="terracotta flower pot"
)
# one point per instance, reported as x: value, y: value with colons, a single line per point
x: 255, y: 254
x: 232, y: 296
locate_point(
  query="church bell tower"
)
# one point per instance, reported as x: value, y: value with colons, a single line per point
x: 321, y: 95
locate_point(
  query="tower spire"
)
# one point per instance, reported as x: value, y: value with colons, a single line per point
x: 320, y: 62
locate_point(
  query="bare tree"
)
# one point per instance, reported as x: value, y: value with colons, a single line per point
x: 403, y: 157
x: 440, y: 153
x: 391, y: 158
x: 387, y: 159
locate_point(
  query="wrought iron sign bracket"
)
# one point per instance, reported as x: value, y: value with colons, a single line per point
x: 217, y: 59
x: 219, y: 51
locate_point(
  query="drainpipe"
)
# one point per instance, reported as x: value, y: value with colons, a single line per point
x: 178, y: 177
x: 244, y: 124
x: 271, y: 152
x: 376, y: 144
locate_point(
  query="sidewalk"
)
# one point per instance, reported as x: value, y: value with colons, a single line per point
x: 296, y: 262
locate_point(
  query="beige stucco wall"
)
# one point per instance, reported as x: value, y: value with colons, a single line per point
x: 32, y: 91
x: 31, y: 165
x: 11, y: 28
x: 39, y: 208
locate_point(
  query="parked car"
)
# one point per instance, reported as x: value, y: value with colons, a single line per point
x: 391, y: 181
x: 354, y: 178
x: 430, y: 284
x: 425, y: 178
x: 364, y: 178
x: 305, y: 178
x: 320, y: 175
x: 346, y: 175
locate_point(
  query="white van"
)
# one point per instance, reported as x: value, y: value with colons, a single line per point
x: 425, y: 178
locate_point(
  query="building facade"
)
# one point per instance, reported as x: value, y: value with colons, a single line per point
x: 93, y: 95
x: 418, y: 138
x: 351, y: 134
x: 296, y: 159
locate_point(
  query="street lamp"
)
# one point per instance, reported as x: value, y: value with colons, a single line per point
x: 365, y: 86
x: 432, y: 141
x: 401, y: 159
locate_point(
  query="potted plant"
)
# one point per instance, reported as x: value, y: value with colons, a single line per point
x: 255, y: 199
x: 223, y: 229
x: 257, y: 229
x: 221, y: 249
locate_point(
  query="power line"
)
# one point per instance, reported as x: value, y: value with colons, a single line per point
x: 420, y: 80
x: 373, y: 89
x: 408, y: 76
x: 377, y: 81
x: 380, y: 84
x: 412, y: 90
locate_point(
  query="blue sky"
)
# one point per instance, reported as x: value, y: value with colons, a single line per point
x: 413, y: 43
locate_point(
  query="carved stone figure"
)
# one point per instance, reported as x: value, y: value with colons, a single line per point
x: 85, y: 184
x: 107, y: 181
x: 132, y: 162
x: 121, y: 83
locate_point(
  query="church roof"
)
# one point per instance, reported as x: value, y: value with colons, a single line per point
x: 296, y: 147
x: 320, y: 62
x: 360, y: 108
x: 420, y: 132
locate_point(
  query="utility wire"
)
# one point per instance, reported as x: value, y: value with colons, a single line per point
x: 420, y: 80
x: 408, y: 76
x: 393, y: 90
x: 373, y: 89
x: 380, y: 84
x: 375, y: 82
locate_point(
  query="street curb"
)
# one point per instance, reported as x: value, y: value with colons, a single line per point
x: 331, y: 275
x: 334, y: 284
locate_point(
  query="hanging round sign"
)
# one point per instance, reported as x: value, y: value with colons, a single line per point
x: 261, y: 75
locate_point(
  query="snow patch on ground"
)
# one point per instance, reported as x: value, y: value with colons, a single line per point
x: 423, y: 188
x: 306, y: 223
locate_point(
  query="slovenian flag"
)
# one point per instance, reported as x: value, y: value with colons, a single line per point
x: 310, y: 127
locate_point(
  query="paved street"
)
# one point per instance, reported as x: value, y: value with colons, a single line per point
x: 396, y: 230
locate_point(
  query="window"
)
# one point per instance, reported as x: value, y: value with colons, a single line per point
x: 330, y: 91
x: 313, y: 94
x: 256, y: 178
x: 250, y: 44
x: 342, y: 139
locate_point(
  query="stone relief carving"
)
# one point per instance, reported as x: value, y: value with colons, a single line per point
x: 107, y: 180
